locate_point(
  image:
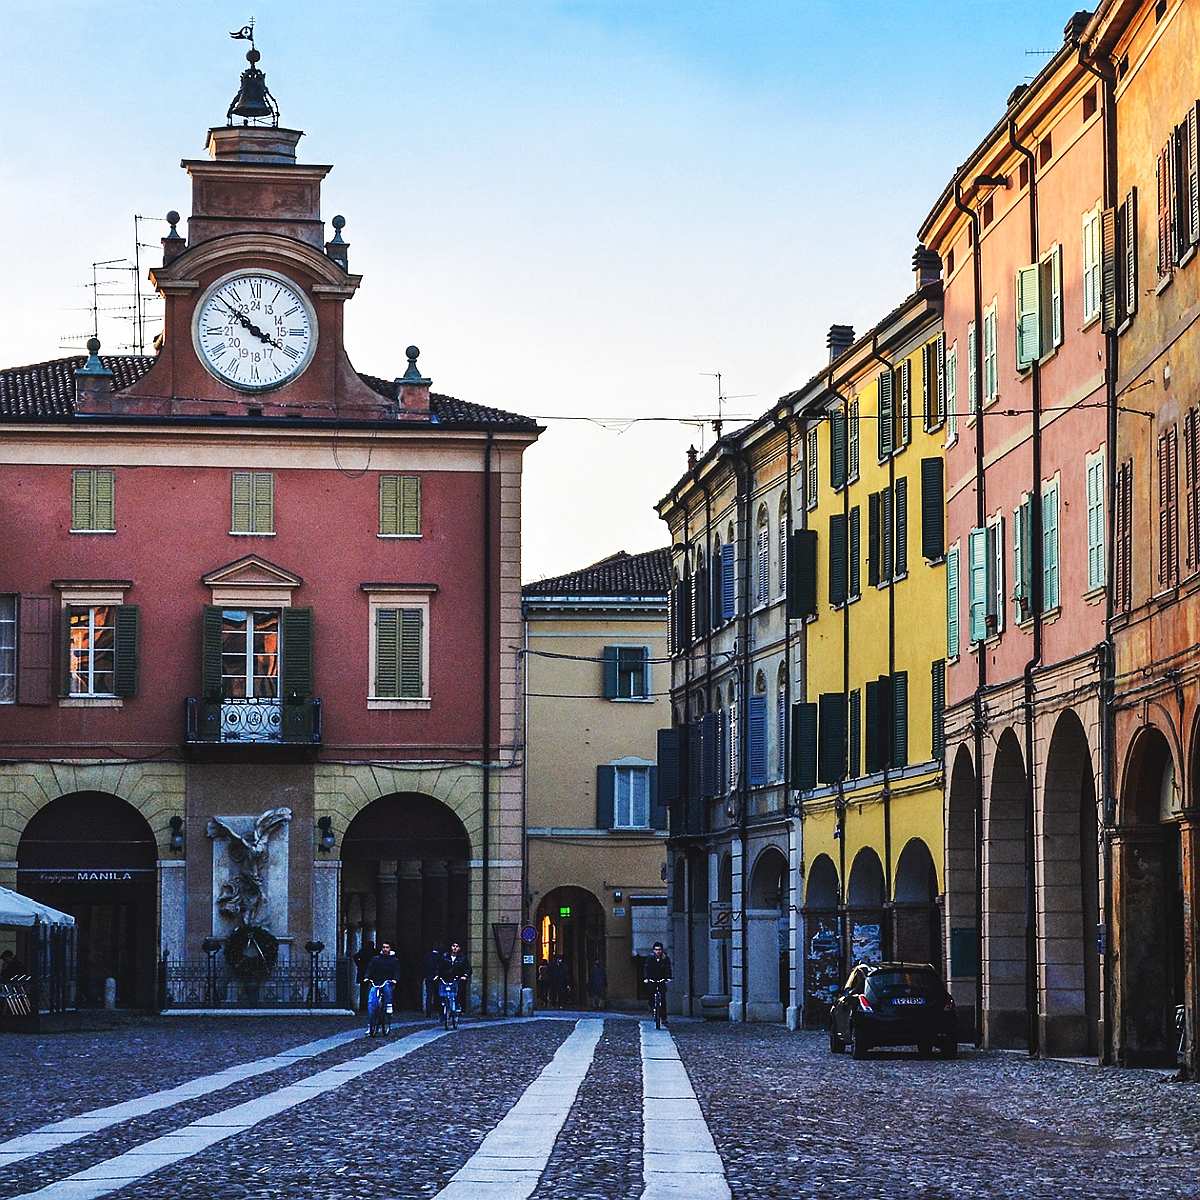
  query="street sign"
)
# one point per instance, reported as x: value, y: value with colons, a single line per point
x: 529, y: 935
x: 720, y: 914
x: 528, y: 960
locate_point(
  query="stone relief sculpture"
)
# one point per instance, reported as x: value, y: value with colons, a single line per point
x: 243, y: 896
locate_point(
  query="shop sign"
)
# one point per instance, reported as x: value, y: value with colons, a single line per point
x: 120, y: 875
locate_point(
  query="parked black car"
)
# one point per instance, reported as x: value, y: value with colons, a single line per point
x: 893, y: 1004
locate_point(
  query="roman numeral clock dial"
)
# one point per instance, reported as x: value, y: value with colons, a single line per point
x: 254, y: 330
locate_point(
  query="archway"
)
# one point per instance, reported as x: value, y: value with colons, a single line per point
x: 767, y: 950
x: 1148, y: 900
x: 404, y: 881
x: 1069, y: 892
x: 917, y: 925
x: 570, y: 924
x: 962, y: 888
x: 824, y: 970
x: 864, y: 903
x: 1005, y: 1002
x: 94, y: 856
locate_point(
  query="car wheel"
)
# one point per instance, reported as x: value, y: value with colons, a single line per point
x: 949, y: 1049
x: 858, y: 1045
x: 836, y: 1045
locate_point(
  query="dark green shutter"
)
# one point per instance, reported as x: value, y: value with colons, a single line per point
x: 103, y: 500
x: 887, y: 526
x: 1109, y: 271
x: 802, y: 574
x: 668, y: 764
x: 610, y: 671
x: 125, y: 681
x: 35, y: 647
x: 933, y: 509
x: 887, y: 415
x: 855, y: 768
x: 854, y: 554
x: 210, y: 670
x: 410, y: 505
x: 659, y: 816
x: 837, y: 559
x: 837, y: 455
x: 264, y: 502
x: 242, y: 520
x: 938, y: 713
x: 296, y: 673
x: 804, y: 746
x: 387, y: 652
x: 606, y: 797
x: 878, y: 724
x: 412, y: 676
x: 899, y: 755
x: 389, y: 505
x: 873, y: 539
x: 831, y: 761
x: 81, y: 499
x: 901, y: 552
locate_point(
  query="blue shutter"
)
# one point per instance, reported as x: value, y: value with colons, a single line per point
x: 606, y: 795
x: 756, y: 715
x: 728, y: 584
x: 716, y: 589
x: 804, y: 746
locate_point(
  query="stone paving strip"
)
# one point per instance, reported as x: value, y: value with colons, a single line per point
x: 135, y: 1164
x: 509, y: 1163
x: 62, y: 1133
x: 679, y: 1158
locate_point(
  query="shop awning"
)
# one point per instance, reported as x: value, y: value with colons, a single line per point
x: 19, y: 910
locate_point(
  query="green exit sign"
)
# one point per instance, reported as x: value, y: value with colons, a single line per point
x: 565, y: 911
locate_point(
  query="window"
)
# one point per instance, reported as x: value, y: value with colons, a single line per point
x: 399, y: 646
x: 1050, y: 268
x: 986, y: 580
x: 952, y: 395
x: 762, y: 558
x: 1095, y: 521
x: 887, y: 534
x: 995, y: 592
x: 837, y: 559
x: 837, y: 450
x: 972, y: 371
x: 1168, y: 509
x: 813, y: 479
x: 933, y: 382
x: 399, y: 506
x: 626, y: 672
x: 1127, y: 257
x: 631, y: 798
x: 886, y: 412
x: 253, y: 502
x: 854, y: 579
x: 904, y: 384
x: 756, y: 730
x: 783, y: 541
x: 1123, y: 550
x: 1050, y: 592
x: 1089, y: 103
x: 1091, y: 266
x: 938, y: 707
x: 991, y: 377
x: 933, y: 509
x: 8, y: 649
x: 852, y: 441
x: 91, y: 649
x: 781, y: 725
x: 1045, y: 150
x: 1023, y: 560
x: 952, y: 603
x: 93, y: 501
x: 250, y: 654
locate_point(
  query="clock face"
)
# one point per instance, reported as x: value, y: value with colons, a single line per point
x: 255, y: 330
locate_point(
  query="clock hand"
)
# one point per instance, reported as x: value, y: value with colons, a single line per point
x: 245, y: 321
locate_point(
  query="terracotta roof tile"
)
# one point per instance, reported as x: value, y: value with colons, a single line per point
x: 620, y: 574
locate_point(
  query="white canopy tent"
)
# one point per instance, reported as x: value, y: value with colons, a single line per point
x: 18, y: 910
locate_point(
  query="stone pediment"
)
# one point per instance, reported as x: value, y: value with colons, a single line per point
x: 251, y: 580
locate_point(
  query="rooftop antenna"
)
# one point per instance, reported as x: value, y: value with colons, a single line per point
x: 719, y: 423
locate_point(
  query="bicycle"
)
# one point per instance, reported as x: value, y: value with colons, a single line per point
x: 658, y: 1001
x: 449, y: 994
x: 379, y: 1009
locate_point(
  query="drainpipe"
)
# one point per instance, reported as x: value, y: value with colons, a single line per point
x: 977, y: 720
x: 486, y: 731
x: 1037, y: 566
x: 1108, y: 82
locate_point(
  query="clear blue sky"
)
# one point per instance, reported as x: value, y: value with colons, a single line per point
x: 574, y: 209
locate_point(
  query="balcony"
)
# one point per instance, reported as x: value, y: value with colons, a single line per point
x: 254, y: 730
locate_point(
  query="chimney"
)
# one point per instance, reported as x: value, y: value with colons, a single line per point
x: 839, y: 340
x: 927, y: 266
x: 93, y: 383
x: 412, y: 390
x: 1074, y: 29
x: 337, y: 249
x: 173, y: 245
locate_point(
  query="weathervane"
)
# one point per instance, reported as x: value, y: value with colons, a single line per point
x: 253, y: 101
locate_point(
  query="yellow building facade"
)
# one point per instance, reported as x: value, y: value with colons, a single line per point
x: 596, y: 684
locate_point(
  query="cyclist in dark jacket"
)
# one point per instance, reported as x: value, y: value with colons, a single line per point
x: 658, y: 973
x: 455, y: 969
x: 384, y: 968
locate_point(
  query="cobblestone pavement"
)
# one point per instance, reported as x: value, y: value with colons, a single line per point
x: 788, y: 1118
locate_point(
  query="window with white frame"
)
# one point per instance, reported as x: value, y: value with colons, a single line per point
x: 8, y: 649
x: 250, y: 654
x: 1097, y: 566
x: 1091, y: 265
x: 762, y: 558
x: 626, y: 672
x: 991, y: 374
x: 631, y: 797
x: 398, y: 646
x: 91, y: 649
x: 952, y: 395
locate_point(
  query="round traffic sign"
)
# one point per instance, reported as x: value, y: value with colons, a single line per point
x: 528, y: 935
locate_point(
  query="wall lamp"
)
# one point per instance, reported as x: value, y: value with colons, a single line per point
x: 176, y: 824
x: 327, y: 840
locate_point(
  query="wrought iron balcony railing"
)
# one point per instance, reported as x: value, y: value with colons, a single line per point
x: 294, y: 720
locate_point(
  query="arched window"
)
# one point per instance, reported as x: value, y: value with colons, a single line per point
x: 762, y: 558
x: 733, y: 752
x: 783, y: 543
x: 716, y: 580
x: 781, y: 722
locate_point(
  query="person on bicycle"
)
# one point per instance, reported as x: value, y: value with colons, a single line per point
x: 384, y: 969
x: 454, y: 971
x: 658, y: 975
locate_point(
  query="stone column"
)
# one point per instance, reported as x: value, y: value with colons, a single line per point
x: 458, y: 903
x: 435, y: 899
x: 387, y: 911
x: 1189, y: 854
x: 410, y: 949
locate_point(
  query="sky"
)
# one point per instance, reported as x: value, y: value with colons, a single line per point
x: 579, y: 210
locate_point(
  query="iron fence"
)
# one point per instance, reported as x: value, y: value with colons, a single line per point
x: 209, y: 983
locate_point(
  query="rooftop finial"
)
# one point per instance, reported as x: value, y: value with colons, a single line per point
x: 253, y: 101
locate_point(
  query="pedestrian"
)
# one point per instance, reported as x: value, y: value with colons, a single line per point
x: 384, y: 968
x: 597, y: 983
x: 558, y: 982
x: 543, y: 984
x: 429, y: 969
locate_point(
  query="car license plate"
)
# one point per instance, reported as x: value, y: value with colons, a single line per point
x: 909, y: 1000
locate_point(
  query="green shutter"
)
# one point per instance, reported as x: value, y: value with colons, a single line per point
x: 854, y: 553
x: 412, y: 683
x: 887, y: 519
x: 1056, y: 296
x: 874, y: 759
x: 902, y: 526
x: 837, y: 559
x: 1050, y: 595
x: 659, y: 815
x: 804, y: 746
x: 1096, y: 531
x: 81, y: 499
x: 899, y: 757
x: 887, y: 415
x: 606, y: 797
x: 933, y: 509
x: 1109, y: 271
x: 1029, y: 316
x: 243, y: 503
x: 831, y: 757
x: 264, y: 502
x: 612, y: 655
x: 210, y: 670
x: 977, y: 567
x: 972, y: 370
x: 103, y: 500
x: 389, y: 505
x: 855, y: 765
x: 802, y: 574
x: 873, y: 539
x: 938, y: 707
x: 126, y: 643
x: 905, y: 385
x: 837, y: 455
x: 387, y: 653
x: 410, y: 505
x: 296, y: 674
x: 952, y: 601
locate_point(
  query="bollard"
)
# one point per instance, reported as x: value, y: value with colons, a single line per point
x: 110, y: 993
x: 527, y: 1002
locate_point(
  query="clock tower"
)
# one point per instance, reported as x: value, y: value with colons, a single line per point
x: 254, y: 294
